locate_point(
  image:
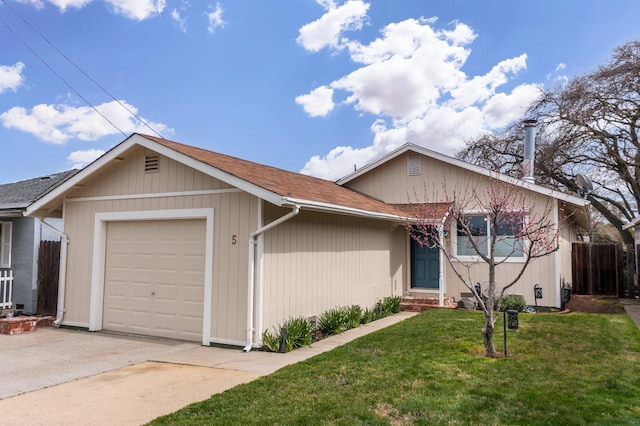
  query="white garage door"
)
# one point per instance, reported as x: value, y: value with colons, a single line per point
x: 154, y: 278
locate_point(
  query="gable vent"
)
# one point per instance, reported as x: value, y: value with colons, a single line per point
x: 414, y: 165
x: 151, y: 164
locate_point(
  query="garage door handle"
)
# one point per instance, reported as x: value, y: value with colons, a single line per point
x: 153, y: 293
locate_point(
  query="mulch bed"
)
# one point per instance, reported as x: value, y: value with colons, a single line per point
x: 595, y: 304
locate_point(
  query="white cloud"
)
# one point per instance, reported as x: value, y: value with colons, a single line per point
x: 138, y: 10
x: 215, y: 18
x: 11, y: 76
x: 327, y: 31
x: 79, y: 159
x: 59, y: 123
x: 411, y: 80
x: 61, y: 4
x: 179, y: 20
x: 317, y: 103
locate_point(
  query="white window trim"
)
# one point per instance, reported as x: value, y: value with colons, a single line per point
x: 101, y: 220
x: 6, y: 244
x: 477, y: 258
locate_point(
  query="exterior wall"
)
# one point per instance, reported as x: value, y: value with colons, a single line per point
x: 391, y: 183
x: 316, y: 261
x: 123, y: 186
x: 24, y: 262
x: 567, y: 236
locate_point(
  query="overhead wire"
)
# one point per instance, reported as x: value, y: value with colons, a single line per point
x: 119, y: 102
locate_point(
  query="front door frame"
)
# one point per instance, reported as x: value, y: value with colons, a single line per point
x: 441, y: 280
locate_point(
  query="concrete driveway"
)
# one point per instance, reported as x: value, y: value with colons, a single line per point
x: 67, y: 377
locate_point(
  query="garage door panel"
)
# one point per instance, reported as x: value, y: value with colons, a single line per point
x: 154, y: 278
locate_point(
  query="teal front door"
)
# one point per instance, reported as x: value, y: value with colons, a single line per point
x: 425, y: 266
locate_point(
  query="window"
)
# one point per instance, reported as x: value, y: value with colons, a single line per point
x: 5, y: 244
x: 507, y: 244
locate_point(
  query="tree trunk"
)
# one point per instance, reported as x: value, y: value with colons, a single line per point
x: 487, y: 335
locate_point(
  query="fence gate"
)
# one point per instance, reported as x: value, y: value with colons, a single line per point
x: 597, y: 269
x: 48, y: 269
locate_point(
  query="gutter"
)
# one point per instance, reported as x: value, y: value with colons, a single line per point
x: 251, y: 279
x: 62, y: 276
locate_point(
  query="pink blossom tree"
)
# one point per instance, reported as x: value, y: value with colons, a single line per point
x: 489, y: 223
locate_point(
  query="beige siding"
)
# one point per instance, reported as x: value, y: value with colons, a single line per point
x: 235, y: 216
x: 317, y: 261
x: 391, y: 183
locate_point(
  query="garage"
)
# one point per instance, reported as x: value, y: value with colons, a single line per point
x: 154, y: 278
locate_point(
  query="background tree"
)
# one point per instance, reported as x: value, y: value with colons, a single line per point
x: 588, y: 126
x: 515, y: 227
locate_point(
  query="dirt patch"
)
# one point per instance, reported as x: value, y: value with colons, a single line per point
x: 595, y: 304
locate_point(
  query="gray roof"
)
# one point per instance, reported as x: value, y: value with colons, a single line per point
x: 19, y: 195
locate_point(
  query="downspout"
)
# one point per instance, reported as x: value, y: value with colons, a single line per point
x: 62, y: 275
x: 252, y: 260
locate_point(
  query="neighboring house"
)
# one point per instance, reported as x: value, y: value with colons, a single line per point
x: 170, y: 240
x: 20, y: 238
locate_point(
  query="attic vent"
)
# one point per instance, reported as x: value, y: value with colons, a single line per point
x: 151, y: 164
x: 414, y: 165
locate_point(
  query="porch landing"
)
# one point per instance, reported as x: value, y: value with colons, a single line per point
x: 23, y: 324
x: 415, y: 303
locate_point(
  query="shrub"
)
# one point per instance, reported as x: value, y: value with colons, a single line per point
x: 332, y: 321
x: 353, y: 315
x: 271, y: 340
x: 390, y: 305
x: 299, y: 334
x: 368, y: 316
x: 513, y: 301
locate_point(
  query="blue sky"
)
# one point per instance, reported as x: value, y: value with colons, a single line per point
x: 316, y: 86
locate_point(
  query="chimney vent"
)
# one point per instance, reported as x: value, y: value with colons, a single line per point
x: 529, y: 150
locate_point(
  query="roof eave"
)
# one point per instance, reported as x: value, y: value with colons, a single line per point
x: 140, y: 140
x: 336, y: 208
x: 467, y: 166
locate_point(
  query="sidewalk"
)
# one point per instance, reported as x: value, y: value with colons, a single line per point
x: 139, y: 393
x: 632, y: 307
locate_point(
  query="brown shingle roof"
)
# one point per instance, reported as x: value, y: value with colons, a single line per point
x: 281, y: 182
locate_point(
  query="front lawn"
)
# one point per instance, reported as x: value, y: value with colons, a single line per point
x: 573, y: 369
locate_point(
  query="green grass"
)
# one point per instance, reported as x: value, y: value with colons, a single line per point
x: 575, y: 369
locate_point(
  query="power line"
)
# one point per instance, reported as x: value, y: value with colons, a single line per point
x: 123, y: 105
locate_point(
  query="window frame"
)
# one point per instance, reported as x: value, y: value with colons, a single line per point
x: 6, y: 236
x: 476, y: 257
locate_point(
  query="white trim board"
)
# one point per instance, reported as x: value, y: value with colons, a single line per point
x: 154, y: 195
x: 96, y: 303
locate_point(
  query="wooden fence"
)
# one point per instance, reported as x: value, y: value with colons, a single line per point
x: 597, y: 269
x: 48, y: 270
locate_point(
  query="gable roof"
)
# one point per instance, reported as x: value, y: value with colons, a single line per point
x: 571, y: 199
x: 16, y: 196
x: 277, y: 186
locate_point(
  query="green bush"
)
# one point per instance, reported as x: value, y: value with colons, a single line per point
x: 391, y: 305
x: 332, y: 321
x: 299, y: 334
x: 368, y: 316
x: 353, y: 315
x: 271, y: 340
x: 513, y: 301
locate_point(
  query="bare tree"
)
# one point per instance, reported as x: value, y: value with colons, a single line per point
x: 509, y: 226
x: 589, y: 126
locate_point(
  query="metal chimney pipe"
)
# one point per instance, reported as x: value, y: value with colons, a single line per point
x: 529, y: 150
